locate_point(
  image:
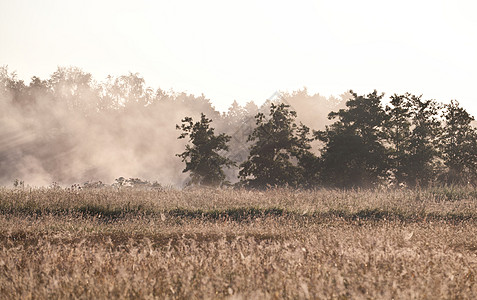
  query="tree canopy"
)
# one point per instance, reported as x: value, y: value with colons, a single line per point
x: 353, y: 153
x: 70, y: 128
x: 279, y: 150
x: 202, y: 156
x: 458, y: 144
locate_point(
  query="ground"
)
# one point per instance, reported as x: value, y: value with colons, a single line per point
x: 238, y: 244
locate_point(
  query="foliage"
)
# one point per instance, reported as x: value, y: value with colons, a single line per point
x: 202, y: 158
x: 121, y: 182
x: 398, y: 133
x: 17, y: 183
x: 422, y: 165
x: 458, y: 144
x: 70, y: 128
x: 280, y: 150
x: 412, y: 131
x: 353, y: 154
x: 93, y: 185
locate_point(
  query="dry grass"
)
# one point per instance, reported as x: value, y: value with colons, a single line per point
x: 101, y: 244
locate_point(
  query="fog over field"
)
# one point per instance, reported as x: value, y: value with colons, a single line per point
x: 64, y: 120
x: 69, y: 128
x: 311, y: 149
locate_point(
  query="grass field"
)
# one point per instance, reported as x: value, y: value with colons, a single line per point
x: 238, y: 244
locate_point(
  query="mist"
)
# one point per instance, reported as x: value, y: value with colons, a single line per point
x: 70, y: 128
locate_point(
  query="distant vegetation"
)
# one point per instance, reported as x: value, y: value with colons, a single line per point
x: 409, y: 142
x: 309, y: 207
x: 69, y: 128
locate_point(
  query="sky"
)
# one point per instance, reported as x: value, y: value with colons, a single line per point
x: 247, y: 50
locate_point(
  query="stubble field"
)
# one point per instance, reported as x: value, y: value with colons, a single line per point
x: 238, y: 244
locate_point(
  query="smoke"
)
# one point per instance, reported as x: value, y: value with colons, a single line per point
x: 70, y: 129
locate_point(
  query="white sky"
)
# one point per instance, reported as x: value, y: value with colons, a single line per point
x: 247, y: 50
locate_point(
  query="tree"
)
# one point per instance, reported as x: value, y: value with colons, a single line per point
x: 412, y: 131
x: 235, y: 115
x: 353, y: 154
x: 75, y: 89
x: 202, y: 158
x: 239, y: 123
x: 308, y: 162
x: 398, y: 132
x: 422, y: 164
x: 279, y: 151
x: 12, y: 88
x: 128, y: 91
x: 458, y: 144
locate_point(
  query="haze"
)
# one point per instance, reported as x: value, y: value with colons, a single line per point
x: 247, y: 50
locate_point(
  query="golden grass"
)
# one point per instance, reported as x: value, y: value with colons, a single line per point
x: 237, y: 244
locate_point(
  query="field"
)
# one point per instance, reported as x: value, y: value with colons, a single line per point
x: 238, y: 244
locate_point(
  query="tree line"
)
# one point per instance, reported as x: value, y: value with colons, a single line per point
x: 71, y: 128
x: 408, y: 142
